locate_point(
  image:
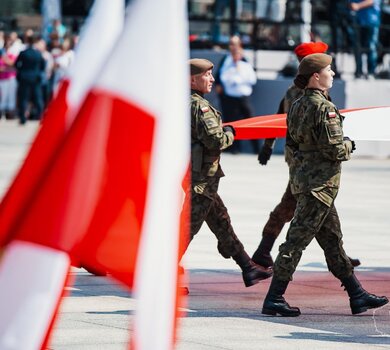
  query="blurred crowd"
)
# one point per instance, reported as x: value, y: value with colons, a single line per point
x: 31, y: 68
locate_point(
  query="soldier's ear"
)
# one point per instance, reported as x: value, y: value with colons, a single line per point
x: 316, y: 76
x: 193, y: 80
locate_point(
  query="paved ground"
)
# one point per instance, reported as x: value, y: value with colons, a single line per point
x: 221, y: 313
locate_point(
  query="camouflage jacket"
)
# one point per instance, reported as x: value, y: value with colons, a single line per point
x: 315, y: 135
x: 292, y: 94
x: 207, y: 140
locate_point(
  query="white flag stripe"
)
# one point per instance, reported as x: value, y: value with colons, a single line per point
x: 168, y: 99
x: 151, y: 70
x: 97, y: 40
x: 368, y: 124
x: 32, y: 279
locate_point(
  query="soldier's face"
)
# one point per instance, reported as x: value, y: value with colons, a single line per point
x: 203, y: 82
x: 325, y: 78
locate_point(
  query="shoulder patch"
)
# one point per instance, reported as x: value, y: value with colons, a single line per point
x: 204, y: 109
x: 332, y: 115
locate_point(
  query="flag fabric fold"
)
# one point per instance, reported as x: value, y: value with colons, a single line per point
x: 103, y: 26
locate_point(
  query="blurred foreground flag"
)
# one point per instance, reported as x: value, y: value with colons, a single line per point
x: 111, y: 197
x: 32, y: 277
x: 103, y: 26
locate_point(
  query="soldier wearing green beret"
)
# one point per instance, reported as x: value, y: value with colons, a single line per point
x: 208, y: 139
x: 315, y: 136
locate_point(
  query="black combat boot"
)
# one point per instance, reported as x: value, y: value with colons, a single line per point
x: 354, y: 262
x: 359, y: 299
x: 251, y: 272
x: 274, y: 303
x: 262, y: 255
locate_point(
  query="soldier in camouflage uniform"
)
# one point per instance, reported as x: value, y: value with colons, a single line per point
x: 316, y: 141
x: 284, y: 211
x: 208, y: 139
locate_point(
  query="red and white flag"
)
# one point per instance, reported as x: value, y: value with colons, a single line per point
x: 355, y: 125
x: 35, y: 275
x: 103, y: 26
x: 111, y: 197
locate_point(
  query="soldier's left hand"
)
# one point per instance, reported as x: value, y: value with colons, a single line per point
x: 264, y: 154
x: 230, y: 129
x: 353, y: 145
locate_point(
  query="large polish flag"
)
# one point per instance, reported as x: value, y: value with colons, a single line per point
x: 356, y: 125
x: 32, y: 277
x: 112, y: 196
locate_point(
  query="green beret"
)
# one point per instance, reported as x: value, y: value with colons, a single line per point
x: 200, y: 65
x: 314, y: 63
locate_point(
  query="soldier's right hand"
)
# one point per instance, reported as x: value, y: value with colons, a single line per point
x: 264, y: 154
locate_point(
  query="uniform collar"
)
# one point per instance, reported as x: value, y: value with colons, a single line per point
x: 310, y: 91
x: 196, y: 92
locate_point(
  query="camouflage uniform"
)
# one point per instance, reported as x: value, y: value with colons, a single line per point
x: 315, y: 138
x: 284, y: 211
x: 208, y: 139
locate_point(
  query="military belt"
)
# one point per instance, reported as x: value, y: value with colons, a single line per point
x: 308, y: 148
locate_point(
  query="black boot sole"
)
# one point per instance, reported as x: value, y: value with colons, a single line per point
x: 271, y: 312
x: 359, y: 310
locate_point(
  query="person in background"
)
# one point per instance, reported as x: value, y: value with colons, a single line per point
x: 8, y: 84
x: 368, y: 20
x: 2, y: 39
x: 235, y: 81
x: 30, y: 67
x: 47, y: 74
x: 63, y: 61
x: 58, y: 28
x: 315, y: 137
x: 284, y: 211
x: 208, y: 139
x: 341, y: 28
x: 15, y: 44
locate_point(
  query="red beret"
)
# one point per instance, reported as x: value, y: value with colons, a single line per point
x: 305, y: 49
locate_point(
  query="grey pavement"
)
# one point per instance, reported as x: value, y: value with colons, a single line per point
x: 220, y: 312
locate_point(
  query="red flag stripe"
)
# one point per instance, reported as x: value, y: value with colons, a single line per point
x: 42, y: 152
x: 105, y: 160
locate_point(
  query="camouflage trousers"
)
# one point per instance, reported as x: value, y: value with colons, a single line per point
x: 313, y: 219
x: 209, y: 207
x: 283, y: 213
